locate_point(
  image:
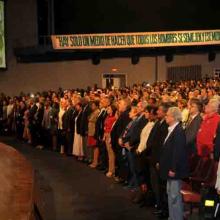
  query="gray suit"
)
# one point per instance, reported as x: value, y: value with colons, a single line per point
x: 191, y: 131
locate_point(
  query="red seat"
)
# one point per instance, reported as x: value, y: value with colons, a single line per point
x: 205, y: 174
x: 190, y: 196
x: 194, y: 163
x: 205, y: 178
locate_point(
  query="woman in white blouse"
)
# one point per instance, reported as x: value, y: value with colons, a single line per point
x: 142, y: 167
x: 150, y: 114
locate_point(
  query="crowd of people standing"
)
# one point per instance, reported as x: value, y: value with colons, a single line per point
x: 142, y: 136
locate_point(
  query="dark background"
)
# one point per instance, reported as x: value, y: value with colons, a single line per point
x: 102, y: 16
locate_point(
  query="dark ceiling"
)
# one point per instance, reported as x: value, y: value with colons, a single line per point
x: 96, y: 16
x: 102, y: 16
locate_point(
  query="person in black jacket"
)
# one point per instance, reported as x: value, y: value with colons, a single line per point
x: 39, y: 135
x: 173, y: 163
x: 53, y: 114
x: 193, y: 124
x: 154, y: 144
x: 20, y: 119
x: 134, y: 138
x: 77, y: 144
x: 84, y: 126
x: 68, y: 127
x: 129, y: 140
x: 99, y: 133
x: 119, y: 126
x: 32, y: 121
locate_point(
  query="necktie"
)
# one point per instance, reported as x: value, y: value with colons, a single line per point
x: 189, y: 121
x: 127, y: 128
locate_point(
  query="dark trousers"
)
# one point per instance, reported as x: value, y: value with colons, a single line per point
x: 143, y: 170
x: 155, y: 182
x: 85, y: 147
x: 159, y: 189
x: 68, y: 147
x: 132, y: 178
x: 46, y: 138
x: 121, y: 165
x: 163, y: 196
x: 103, y: 155
x: 34, y: 134
x: 20, y: 130
x: 61, y: 138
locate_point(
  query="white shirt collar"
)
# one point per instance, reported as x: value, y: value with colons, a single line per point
x: 172, y: 127
x: 194, y: 116
x: 170, y: 130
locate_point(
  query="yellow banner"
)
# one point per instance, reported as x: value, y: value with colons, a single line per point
x: 136, y: 40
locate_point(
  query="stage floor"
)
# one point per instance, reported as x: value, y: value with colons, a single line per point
x: 70, y: 190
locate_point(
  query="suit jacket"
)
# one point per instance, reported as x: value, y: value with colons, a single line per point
x: 135, y: 131
x: 119, y: 127
x: 173, y: 155
x: 79, y: 123
x: 92, y: 121
x: 68, y: 120
x: 155, y: 141
x: 99, y: 126
x: 32, y: 113
x: 39, y: 116
x: 126, y: 134
x: 84, y: 120
x: 19, y: 116
x: 191, y: 131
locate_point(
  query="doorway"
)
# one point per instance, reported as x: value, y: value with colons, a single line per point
x: 113, y: 80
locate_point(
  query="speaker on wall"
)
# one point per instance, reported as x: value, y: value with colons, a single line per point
x: 169, y: 58
x: 135, y: 59
x: 96, y: 59
x: 211, y: 56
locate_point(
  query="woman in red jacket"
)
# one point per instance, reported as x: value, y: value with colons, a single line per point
x: 208, y: 127
x: 108, y: 124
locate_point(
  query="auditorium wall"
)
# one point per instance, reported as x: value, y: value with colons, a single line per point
x: 80, y: 74
x: 32, y: 77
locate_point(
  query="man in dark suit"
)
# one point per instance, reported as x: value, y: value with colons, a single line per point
x: 84, y: 125
x: 118, y: 128
x: 32, y: 120
x: 154, y: 144
x: 99, y: 133
x: 141, y: 121
x: 40, y: 135
x: 193, y: 124
x: 20, y: 120
x: 124, y: 142
x: 174, y: 162
x: 132, y: 139
x: 68, y: 127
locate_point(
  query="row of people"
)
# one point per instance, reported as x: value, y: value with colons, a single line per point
x: 137, y: 138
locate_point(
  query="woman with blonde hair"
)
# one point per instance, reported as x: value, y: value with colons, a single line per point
x: 92, y: 145
x: 108, y: 124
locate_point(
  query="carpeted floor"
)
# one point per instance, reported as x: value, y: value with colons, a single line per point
x: 69, y: 190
